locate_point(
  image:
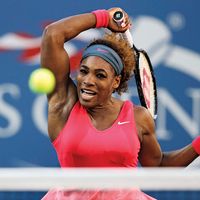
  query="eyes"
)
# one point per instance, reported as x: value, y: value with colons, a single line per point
x: 98, y: 74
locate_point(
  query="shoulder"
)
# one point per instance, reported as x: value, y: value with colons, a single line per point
x: 62, y: 100
x: 143, y: 119
x: 140, y: 111
x: 60, y: 105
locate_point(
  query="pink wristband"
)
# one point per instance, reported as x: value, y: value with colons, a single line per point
x: 196, y: 144
x: 102, y: 18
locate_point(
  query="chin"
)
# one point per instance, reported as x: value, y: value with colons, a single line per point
x: 87, y: 104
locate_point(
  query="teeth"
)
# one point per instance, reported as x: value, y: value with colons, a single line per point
x: 88, y: 92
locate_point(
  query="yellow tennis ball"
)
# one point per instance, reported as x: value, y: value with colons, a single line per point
x: 42, y: 81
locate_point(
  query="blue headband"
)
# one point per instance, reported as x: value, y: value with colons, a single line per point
x: 107, y: 53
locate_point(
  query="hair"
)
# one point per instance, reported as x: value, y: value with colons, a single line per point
x: 127, y: 55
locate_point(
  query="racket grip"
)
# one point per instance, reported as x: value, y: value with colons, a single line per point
x: 118, y: 17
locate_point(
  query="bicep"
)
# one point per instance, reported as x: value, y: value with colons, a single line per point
x: 63, y: 97
x: 53, y: 54
x: 150, y: 152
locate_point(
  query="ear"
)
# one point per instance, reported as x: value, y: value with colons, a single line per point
x: 117, y: 81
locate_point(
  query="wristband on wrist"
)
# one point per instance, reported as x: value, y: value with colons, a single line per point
x: 196, y: 144
x: 102, y: 18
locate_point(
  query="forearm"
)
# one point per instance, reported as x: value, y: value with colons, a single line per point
x: 68, y: 28
x: 179, y: 158
x: 53, y: 54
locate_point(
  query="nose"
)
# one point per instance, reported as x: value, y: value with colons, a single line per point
x: 89, y: 80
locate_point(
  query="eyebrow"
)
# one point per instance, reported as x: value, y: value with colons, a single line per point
x: 84, y: 66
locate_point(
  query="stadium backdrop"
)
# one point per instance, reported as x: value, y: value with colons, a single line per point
x: 169, y: 32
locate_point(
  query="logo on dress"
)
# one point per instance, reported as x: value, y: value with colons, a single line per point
x: 125, y: 122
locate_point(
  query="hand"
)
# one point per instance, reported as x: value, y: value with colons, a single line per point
x: 113, y: 26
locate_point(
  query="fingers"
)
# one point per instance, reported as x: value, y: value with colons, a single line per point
x: 126, y: 21
x: 121, y: 26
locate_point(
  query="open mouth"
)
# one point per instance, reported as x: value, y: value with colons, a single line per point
x: 87, y: 94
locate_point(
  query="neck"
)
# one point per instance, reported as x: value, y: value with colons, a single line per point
x: 102, y: 109
x: 103, y: 116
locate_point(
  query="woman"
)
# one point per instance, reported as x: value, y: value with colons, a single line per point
x: 87, y: 125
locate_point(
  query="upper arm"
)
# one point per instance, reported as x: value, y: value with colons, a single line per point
x: 150, y: 153
x: 60, y: 104
x: 53, y: 54
x: 64, y: 96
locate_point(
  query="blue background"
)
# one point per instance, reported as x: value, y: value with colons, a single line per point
x: 29, y: 146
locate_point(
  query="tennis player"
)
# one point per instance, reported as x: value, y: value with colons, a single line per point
x: 88, y: 127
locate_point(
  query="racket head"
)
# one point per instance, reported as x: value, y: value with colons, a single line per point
x: 145, y: 81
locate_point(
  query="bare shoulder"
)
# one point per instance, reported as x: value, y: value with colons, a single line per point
x: 63, y: 96
x: 144, y: 121
x: 60, y: 104
x: 141, y: 113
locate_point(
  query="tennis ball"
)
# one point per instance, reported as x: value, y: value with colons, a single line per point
x: 42, y: 81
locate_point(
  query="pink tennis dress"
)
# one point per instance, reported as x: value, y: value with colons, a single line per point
x: 80, y: 144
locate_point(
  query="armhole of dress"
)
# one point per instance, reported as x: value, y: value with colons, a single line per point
x: 62, y: 130
x: 134, y: 123
x: 135, y: 131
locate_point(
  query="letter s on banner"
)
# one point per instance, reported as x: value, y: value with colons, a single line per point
x: 9, y: 112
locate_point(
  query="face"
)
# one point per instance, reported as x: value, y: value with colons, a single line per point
x: 96, y: 82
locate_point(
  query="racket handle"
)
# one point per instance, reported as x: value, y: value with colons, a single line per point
x: 118, y: 17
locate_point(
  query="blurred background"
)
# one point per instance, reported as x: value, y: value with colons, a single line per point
x: 168, y: 30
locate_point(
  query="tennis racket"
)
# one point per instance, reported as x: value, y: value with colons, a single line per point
x: 144, y: 74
